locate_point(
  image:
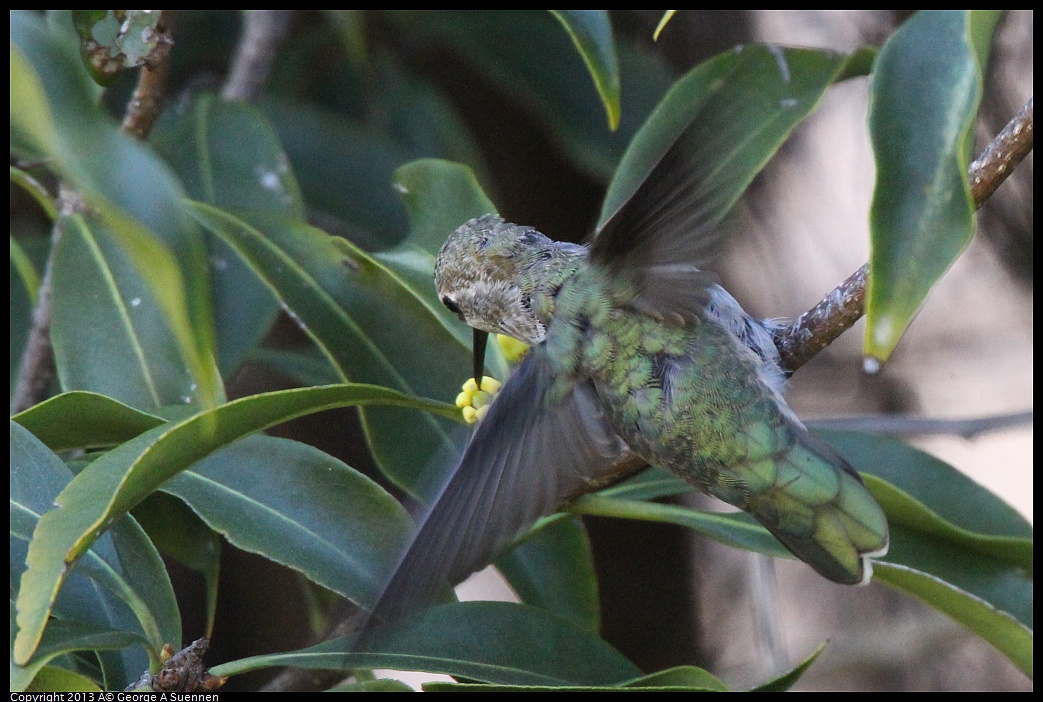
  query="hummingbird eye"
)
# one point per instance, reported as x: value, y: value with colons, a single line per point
x: 452, y: 306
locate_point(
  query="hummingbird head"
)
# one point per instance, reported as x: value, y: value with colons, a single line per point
x: 491, y: 274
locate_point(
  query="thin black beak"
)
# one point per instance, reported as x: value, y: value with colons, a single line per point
x: 480, y: 340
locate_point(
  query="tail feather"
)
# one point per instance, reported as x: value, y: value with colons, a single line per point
x: 821, y: 510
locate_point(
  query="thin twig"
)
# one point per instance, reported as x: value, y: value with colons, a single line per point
x: 1002, y: 155
x: 907, y: 425
x: 263, y: 32
x: 840, y: 309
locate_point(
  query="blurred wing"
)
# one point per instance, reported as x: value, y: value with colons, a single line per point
x: 668, y: 228
x: 526, y: 457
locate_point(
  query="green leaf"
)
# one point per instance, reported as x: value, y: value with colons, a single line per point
x: 685, y: 677
x: 306, y: 365
x: 300, y: 507
x: 591, y: 32
x: 495, y: 642
x: 1010, y: 637
x: 109, y: 328
x: 382, y: 685
x: 62, y: 638
x: 650, y: 484
x: 25, y: 285
x: 127, y: 188
x: 554, y: 570
x: 54, y: 679
x: 787, y: 680
x: 84, y: 420
x: 123, y: 562
x: 344, y: 169
x: 740, y: 106
x: 227, y: 155
x: 733, y: 528
x: 513, y: 49
x: 439, y: 196
x: 667, y: 16
x: 368, y: 321
x: 119, y: 480
x: 954, y: 544
x: 925, y: 93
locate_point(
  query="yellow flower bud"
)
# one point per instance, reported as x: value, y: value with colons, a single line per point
x: 513, y: 350
x: 490, y: 385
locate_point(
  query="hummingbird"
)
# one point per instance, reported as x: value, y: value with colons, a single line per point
x: 635, y: 349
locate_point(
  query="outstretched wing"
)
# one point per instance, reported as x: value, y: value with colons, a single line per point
x: 530, y: 452
x: 666, y: 230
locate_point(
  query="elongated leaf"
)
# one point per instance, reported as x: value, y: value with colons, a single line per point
x: 740, y: 107
x: 128, y: 189
x: 513, y: 48
x: 123, y: 562
x: 55, y: 679
x: 84, y: 420
x: 109, y: 329
x: 734, y: 528
x: 344, y: 168
x: 496, y: 642
x: 116, y: 482
x: 64, y: 637
x: 680, y: 677
x: 925, y: 93
x: 228, y: 155
x: 954, y: 544
x: 439, y: 196
x: 366, y: 320
x: 785, y: 681
x: 300, y: 507
x: 591, y: 32
x: 667, y: 16
x: 649, y: 484
x: 1010, y: 637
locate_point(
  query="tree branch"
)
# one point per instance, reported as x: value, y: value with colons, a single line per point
x: 263, y: 32
x: 147, y: 101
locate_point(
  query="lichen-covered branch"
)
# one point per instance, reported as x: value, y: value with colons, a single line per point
x: 183, y: 671
x: 817, y: 328
x: 147, y: 101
